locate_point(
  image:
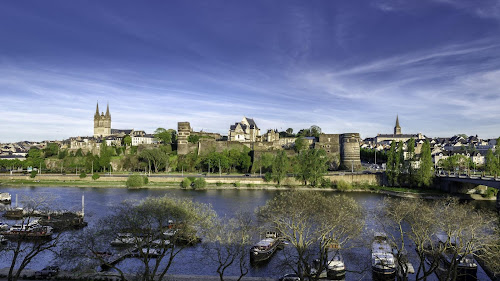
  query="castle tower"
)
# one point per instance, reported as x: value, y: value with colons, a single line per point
x: 397, y: 128
x: 102, y: 123
x: 349, y: 150
x: 183, y: 133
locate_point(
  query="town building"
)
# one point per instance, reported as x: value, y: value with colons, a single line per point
x: 397, y: 136
x: 244, y: 131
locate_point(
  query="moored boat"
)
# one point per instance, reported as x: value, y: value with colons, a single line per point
x: 29, y: 231
x: 383, y: 262
x: 5, y: 197
x: 466, y: 265
x: 335, y: 268
x: 265, y: 248
x: 124, y: 240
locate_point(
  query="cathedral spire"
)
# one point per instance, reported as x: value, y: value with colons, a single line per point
x: 107, y: 111
x: 97, y: 110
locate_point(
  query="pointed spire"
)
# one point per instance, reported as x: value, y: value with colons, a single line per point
x: 397, y: 128
x: 96, y: 115
x: 107, y: 111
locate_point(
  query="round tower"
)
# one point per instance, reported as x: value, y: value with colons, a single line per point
x: 349, y: 150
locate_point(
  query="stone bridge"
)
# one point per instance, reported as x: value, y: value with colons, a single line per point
x: 474, y: 181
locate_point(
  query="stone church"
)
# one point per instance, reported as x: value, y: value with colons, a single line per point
x: 102, y: 123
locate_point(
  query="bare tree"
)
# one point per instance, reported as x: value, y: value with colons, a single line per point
x: 411, y: 219
x: 445, y: 233
x: 227, y: 245
x: 30, y: 239
x: 154, y: 231
x: 466, y: 230
x: 311, y: 222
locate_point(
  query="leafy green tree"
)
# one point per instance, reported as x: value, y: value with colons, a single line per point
x: 35, y: 156
x: 311, y: 166
x: 280, y: 166
x: 245, y: 161
x: 315, y: 131
x: 391, y: 170
x: 408, y: 163
x: 193, y: 138
x: 95, y: 176
x: 104, y: 155
x: 289, y: 131
x: 79, y: 153
x: 51, y: 149
x: 425, y: 170
x: 163, y: 135
x: 127, y: 140
x: 398, y: 163
x: 156, y: 158
x: 491, y: 166
x: 166, y: 136
x: 300, y: 144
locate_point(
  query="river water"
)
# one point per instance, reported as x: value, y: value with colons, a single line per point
x: 100, y: 202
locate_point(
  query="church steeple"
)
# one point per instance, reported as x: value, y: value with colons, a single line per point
x: 107, y: 111
x: 96, y: 115
x: 397, y: 128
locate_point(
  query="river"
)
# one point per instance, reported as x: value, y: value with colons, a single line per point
x: 100, y: 201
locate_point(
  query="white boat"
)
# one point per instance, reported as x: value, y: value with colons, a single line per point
x: 383, y: 261
x: 334, y: 268
x: 3, y: 226
x: 5, y: 197
x: 124, y: 239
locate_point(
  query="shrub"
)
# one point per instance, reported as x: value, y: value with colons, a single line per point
x: 236, y: 184
x: 343, y: 185
x: 268, y: 177
x: 136, y: 181
x: 95, y: 176
x: 490, y: 192
x: 250, y: 185
x: 83, y: 175
x: 218, y: 183
x: 199, y: 183
x: 191, y: 179
x: 33, y: 174
x: 185, y: 183
x: 325, y: 183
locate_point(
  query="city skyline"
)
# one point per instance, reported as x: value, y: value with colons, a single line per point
x: 346, y: 67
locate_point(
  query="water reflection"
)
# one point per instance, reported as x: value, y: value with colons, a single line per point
x: 100, y: 202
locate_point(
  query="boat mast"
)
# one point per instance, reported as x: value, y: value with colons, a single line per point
x: 83, y: 205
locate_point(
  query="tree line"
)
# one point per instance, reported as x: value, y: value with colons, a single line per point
x: 409, y: 168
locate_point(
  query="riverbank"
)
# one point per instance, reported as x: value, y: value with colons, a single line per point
x: 237, y: 185
x: 29, y: 274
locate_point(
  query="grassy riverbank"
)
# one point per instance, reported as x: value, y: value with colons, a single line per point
x: 233, y: 185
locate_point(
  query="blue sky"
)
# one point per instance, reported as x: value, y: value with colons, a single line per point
x: 346, y: 66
